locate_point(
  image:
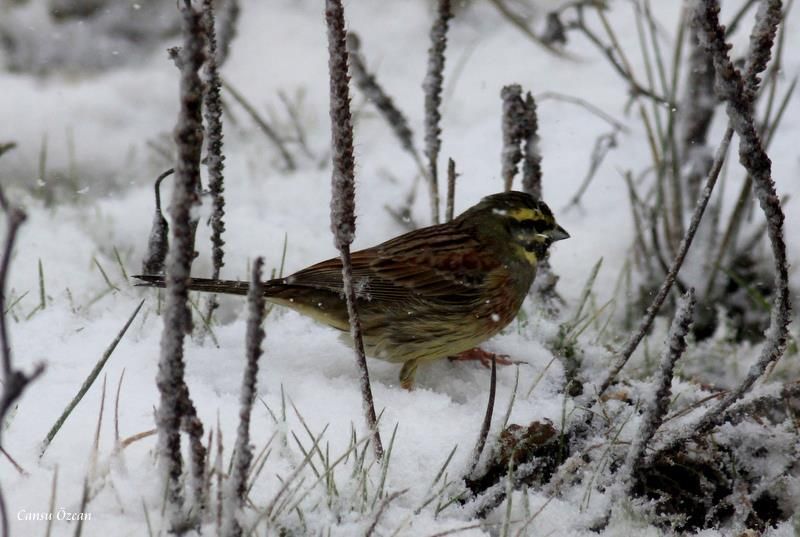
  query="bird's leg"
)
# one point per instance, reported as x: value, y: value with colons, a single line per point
x: 407, y: 374
x: 485, y: 357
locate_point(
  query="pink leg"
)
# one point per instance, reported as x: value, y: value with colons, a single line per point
x: 485, y: 357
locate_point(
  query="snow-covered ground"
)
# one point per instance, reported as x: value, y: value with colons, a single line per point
x: 97, y: 130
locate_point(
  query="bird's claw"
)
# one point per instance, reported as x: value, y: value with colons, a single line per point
x: 484, y: 357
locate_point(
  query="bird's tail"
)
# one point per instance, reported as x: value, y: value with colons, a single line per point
x: 205, y: 285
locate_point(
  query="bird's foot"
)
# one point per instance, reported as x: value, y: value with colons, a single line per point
x: 485, y: 357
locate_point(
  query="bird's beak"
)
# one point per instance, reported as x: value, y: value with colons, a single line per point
x: 557, y: 234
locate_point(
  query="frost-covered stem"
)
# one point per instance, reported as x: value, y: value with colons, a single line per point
x: 265, y: 127
x: 228, y: 19
x: 532, y: 163
x: 737, y: 94
x: 193, y: 427
x: 451, y: 189
x: 657, y: 407
x: 243, y: 450
x: 696, y: 113
x: 513, y: 127
x: 740, y: 95
x: 768, y: 17
x: 487, y: 422
x: 699, y: 101
x: 432, y: 86
x: 372, y: 90
x: 343, y: 220
x: 177, y: 316
x: 215, y: 160
x: 652, y: 310
x: 762, y: 405
x: 158, y: 240
x: 14, y: 381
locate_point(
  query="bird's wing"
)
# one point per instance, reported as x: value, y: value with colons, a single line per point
x: 425, y: 263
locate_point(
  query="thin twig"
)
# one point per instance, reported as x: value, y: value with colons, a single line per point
x: 14, y: 381
x: 372, y: 90
x: 266, y: 128
x: 657, y: 407
x: 226, y: 32
x: 451, y: 189
x: 87, y: 383
x: 487, y: 422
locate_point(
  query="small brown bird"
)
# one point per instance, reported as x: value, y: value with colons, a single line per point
x: 431, y: 293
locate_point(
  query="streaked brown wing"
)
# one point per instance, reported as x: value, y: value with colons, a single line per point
x: 428, y: 262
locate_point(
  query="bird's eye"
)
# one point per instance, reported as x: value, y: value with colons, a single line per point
x: 530, y: 225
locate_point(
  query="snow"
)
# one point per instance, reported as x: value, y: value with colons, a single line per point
x: 111, y: 116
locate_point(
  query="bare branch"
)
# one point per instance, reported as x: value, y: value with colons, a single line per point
x: 487, y: 422
x: 14, y: 381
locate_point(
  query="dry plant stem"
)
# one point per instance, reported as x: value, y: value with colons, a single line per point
x: 381, y: 509
x: 762, y: 406
x: 577, y: 101
x: 432, y: 86
x: 736, y: 92
x: 228, y: 19
x: 265, y: 127
x: 636, y: 88
x: 624, y: 355
x: 88, y: 382
x: 158, y: 240
x: 657, y: 407
x: 177, y: 316
x: 243, y: 450
x: 7, y: 146
x: 521, y: 25
x: 343, y: 221
x: 451, y: 189
x: 214, y: 157
x: 768, y: 18
x: 532, y: 163
x: 487, y: 422
x: 372, y: 90
x: 14, y: 381
x: 513, y: 126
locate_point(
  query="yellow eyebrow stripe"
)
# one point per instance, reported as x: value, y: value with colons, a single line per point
x: 524, y: 213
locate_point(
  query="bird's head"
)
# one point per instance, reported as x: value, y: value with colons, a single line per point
x: 519, y: 220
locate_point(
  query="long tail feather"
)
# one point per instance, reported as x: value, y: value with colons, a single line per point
x: 206, y: 285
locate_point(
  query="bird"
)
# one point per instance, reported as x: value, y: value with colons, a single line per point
x: 434, y: 292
